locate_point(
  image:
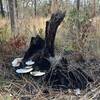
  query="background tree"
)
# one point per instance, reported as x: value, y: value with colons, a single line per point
x: 12, y: 11
x: 16, y: 7
x: 78, y: 8
x: 94, y: 8
x: 1, y: 8
x: 35, y: 7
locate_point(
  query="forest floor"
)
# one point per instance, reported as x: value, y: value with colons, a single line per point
x: 28, y: 88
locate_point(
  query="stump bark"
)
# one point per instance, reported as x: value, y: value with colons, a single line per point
x: 50, y: 33
x: 46, y: 46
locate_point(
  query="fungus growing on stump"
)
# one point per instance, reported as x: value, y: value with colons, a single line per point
x: 37, y: 60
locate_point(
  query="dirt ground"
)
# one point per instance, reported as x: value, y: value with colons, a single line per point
x: 28, y: 88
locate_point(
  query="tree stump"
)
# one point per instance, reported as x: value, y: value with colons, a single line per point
x: 50, y: 33
x: 47, y: 45
x: 67, y: 72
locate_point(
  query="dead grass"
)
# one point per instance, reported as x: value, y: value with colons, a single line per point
x: 31, y: 26
x: 3, y: 22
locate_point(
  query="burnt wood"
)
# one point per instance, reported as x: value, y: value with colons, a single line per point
x: 50, y: 32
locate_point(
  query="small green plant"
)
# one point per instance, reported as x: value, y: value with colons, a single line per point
x: 68, y: 48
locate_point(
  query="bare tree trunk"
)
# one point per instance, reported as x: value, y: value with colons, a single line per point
x: 78, y: 4
x: 1, y: 7
x: 78, y: 8
x: 35, y: 7
x: 7, y: 7
x: 16, y: 7
x: 94, y: 8
x: 12, y: 11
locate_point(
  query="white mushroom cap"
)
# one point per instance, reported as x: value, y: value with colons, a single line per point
x: 16, y: 62
x: 24, y: 70
x: 30, y: 62
x: 37, y: 73
x: 77, y: 91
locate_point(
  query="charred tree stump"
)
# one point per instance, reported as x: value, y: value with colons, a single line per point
x: 67, y: 72
x: 46, y: 46
x: 50, y: 33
